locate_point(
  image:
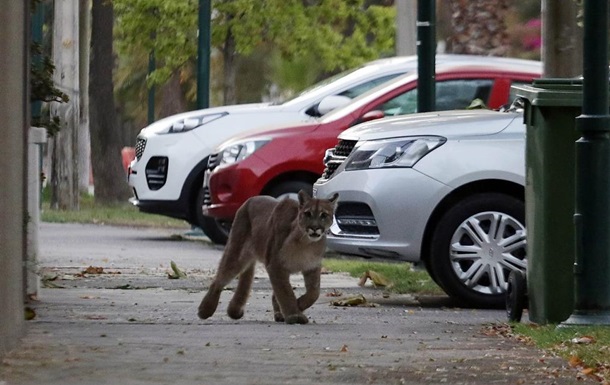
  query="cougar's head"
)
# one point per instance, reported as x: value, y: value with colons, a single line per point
x: 316, y: 215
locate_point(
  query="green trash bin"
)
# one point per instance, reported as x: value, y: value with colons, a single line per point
x: 551, y: 107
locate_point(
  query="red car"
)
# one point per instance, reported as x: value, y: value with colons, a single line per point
x: 280, y: 162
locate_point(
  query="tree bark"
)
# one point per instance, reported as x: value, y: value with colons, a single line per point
x: 65, y: 165
x: 478, y: 27
x: 84, y: 140
x: 109, y: 176
x: 172, y: 97
x: 406, y: 28
x: 230, y: 70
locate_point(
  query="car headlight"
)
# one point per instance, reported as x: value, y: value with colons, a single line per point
x: 187, y: 124
x: 403, y: 152
x: 237, y: 152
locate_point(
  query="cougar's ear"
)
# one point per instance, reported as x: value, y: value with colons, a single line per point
x: 303, y: 197
x: 333, y: 199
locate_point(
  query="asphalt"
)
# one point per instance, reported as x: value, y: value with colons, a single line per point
x: 129, y: 323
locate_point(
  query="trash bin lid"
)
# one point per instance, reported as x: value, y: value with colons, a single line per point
x: 552, y: 92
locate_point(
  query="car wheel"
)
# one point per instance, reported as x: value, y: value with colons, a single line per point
x: 290, y: 189
x: 516, y: 296
x: 215, y: 229
x: 475, y: 246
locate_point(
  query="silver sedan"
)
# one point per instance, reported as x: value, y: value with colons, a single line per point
x: 444, y: 188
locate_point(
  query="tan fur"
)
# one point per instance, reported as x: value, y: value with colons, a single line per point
x: 288, y: 237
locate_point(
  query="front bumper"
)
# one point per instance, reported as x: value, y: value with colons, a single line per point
x: 382, y: 213
x: 226, y: 189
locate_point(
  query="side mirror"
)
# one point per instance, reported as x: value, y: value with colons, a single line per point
x: 332, y: 102
x: 372, y: 115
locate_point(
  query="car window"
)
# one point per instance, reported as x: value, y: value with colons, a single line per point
x: 450, y: 95
x: 362, y: 88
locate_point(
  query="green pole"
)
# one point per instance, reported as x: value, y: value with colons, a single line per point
x: 426, y: 54
x: 592, y: 213
x: 203, y: 55
x: 151, y: 91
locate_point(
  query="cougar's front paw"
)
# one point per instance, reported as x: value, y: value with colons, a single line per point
x: 278, y: 317
x: 297, y: 319
x: 205, y: 313
x: 235, y: 313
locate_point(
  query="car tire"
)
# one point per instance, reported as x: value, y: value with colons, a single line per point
x: 516, y: 296
x: 290, y: 189
x: 215, y: 229
x: 475, y: 246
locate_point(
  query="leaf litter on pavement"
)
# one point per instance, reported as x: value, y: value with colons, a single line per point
x: 585, y: 348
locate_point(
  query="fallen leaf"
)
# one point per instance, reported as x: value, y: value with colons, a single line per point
x: 376, y: 278
x: 583, y: 340
x: 575, y: 361
x: 176, y: 272
x: 29, y: 314
x: 357, y: 300
x: 125, y: 287
x: 95, y: 317
x: 93, y: 270
x: 334, y: 293
x: 588, y: 371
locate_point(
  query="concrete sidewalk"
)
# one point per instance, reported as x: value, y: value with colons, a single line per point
x: 139, y: 327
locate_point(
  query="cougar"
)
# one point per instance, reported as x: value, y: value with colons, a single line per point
x: 288, y: 237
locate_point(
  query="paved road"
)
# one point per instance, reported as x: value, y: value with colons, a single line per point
x: 133, y: 325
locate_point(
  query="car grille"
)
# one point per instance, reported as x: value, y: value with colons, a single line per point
x: 213, y: 161
x: 356, y: 218
x: 207, y: 198
x: 335, y: 157
x: 140, y: 146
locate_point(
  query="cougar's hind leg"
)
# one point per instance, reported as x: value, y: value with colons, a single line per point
x: 242, y: 292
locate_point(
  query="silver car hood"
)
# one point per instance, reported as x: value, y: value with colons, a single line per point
x: 445, y: 123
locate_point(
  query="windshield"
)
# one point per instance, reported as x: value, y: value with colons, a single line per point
x: 354, y: 81
x: 319, y: 85
x: 370, y: 95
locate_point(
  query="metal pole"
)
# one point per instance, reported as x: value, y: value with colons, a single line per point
x: 592, y: 216
x: 426, y: 51
x: 203, y: 55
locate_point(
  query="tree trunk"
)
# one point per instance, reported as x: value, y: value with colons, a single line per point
x: 65, y: 166
x: 478, y: 27
x: 109, y: 176
x: 84, y: 139
x: 561, y: 39
x: 406, y: 28
x: 230, y: 70
x: 172, y: 97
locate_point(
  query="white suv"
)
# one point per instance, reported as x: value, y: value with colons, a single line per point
x: 171, y: 154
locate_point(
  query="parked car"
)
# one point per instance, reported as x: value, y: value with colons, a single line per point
x: 282, y: 161
x: 171, y: 154
x: 445, y: 189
